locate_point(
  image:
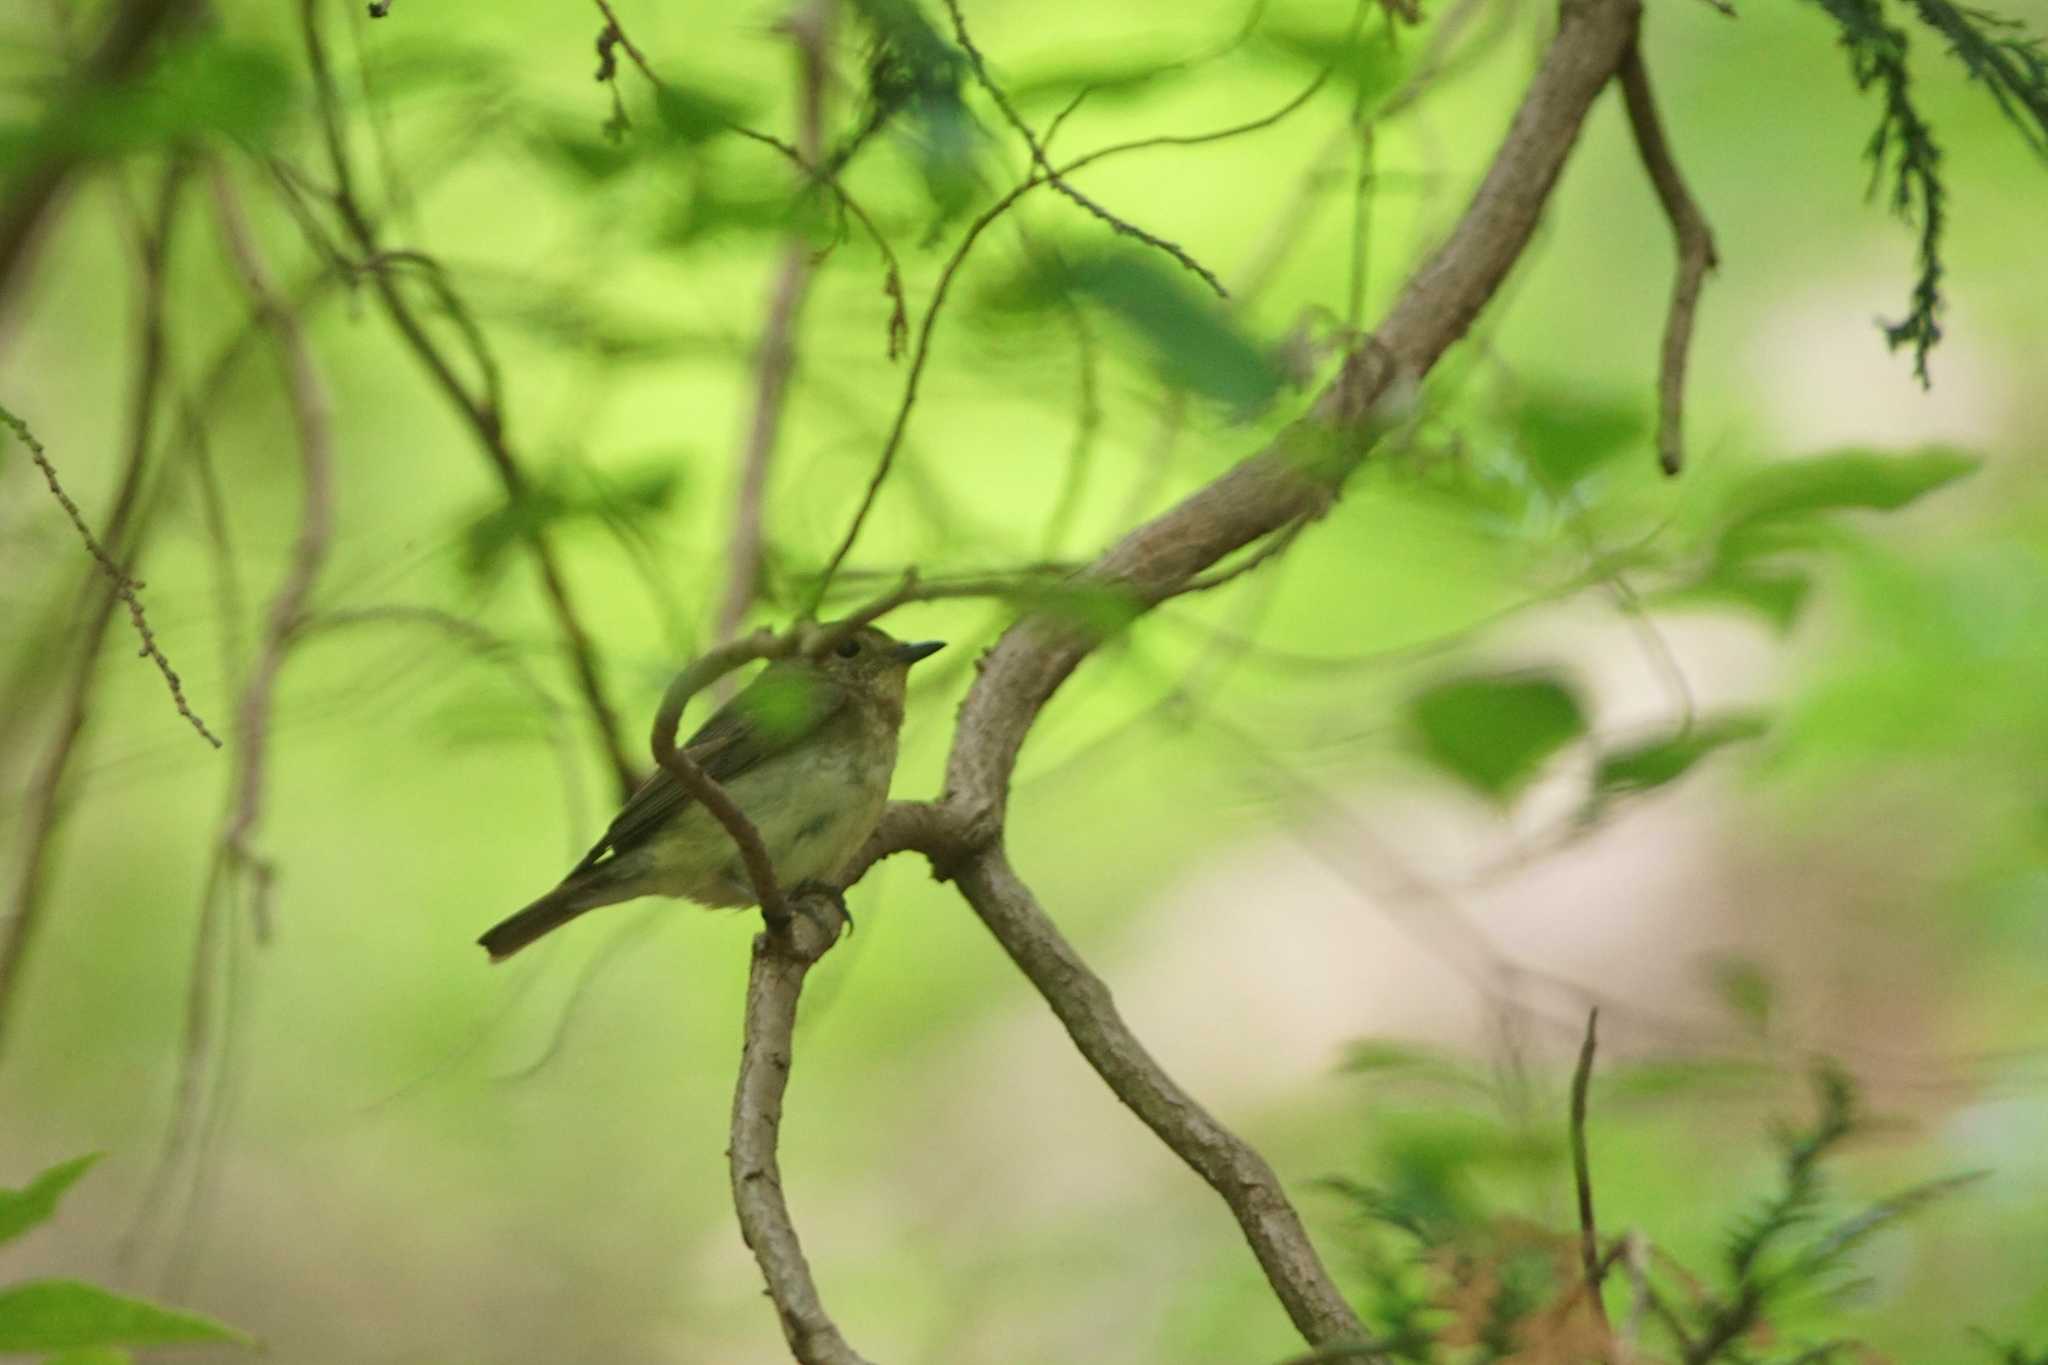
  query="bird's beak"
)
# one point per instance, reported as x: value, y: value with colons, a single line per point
x: 910, y: 653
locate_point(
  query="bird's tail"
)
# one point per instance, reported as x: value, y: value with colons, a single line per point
x: 544, y: 916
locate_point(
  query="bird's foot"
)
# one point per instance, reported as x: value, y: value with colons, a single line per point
x: 805, y: 896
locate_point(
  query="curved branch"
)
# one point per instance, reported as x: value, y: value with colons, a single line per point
x: 1696, y: 255
x: 1238, y: 1173
x: 1292, y: 480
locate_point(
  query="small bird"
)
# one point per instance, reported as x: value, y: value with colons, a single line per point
x: 806, y: 750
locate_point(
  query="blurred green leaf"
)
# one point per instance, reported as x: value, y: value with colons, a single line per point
x: 711, y: 212
x: 33, y: 1204
x: 1196, y: 345
x: 1744, y: 987
x: 1641, y: 767
x: 1387, y: 1057
x: 1777, y: 595
x: 65, y: 1315
x: 204, y: 86
x: 1495, y: 733
x: 1566, y: 438
x: 1365, y: 61
x: 691, y: 116
x: 1106, y: 78
x: 568, y: 495
x: 1849, y: 479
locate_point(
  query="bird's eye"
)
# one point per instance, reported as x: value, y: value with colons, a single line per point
x: 847, y: 648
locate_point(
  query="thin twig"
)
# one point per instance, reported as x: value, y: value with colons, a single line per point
x: 124, y: 531
x: 124, y: 587
x: 1696, y: 255
x: 701, y: 785
x: 485, y: 420
x: 312, y: 415
x: 1121, y: 226
x: 774, y: 362
x: 1582, y: 1176
x: 922, y: 348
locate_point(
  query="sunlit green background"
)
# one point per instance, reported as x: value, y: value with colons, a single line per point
x: 420, y: 1158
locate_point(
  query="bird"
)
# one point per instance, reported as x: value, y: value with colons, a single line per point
x: 806, y: 750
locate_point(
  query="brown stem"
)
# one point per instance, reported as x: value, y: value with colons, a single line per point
x: 1582, y: 1175
x: 124, y: 533
x: 484, y: 419
x: 1696, y: 255
x: 312, y: 414
x: 774, y: 362
x: 1291, y: 480
x: 781, y: 958
x: 1239, y: 1174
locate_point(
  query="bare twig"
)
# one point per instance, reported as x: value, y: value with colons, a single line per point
x: 485, y: 420
x: 311, y: 414
x: 1237, y: 1172
x: 921, y: 350
x: 811, y: 30
x: 123, y: 586
x: 123, y: 531
x: 1696, y: 255
x: 1582, y: 1175
x: 37, y: 182
x: 1121, y: 226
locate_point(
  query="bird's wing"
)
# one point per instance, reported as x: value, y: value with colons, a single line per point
x: 778, y: 710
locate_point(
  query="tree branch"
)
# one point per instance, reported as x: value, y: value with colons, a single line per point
x: 1294, y: 479
x: 1239, y: 1174
x: 782, y: 957
x: 1696, y: 255
x: 1582, y: 1175
x: 483, y: 417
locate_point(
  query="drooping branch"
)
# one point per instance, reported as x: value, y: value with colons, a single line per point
x: 811, y: 30
x: 121, y: 585
x: 1292, y: 480
x: 122, y: 532
x: 312, y: 415
x: 1238, y: 1173
x: 484, y: 418
x: 1696, y: 255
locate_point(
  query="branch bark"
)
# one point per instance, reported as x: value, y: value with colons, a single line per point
x: 1292, y: 480
x: 782, y: 957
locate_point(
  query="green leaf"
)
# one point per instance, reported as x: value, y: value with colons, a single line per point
x: 691, y: 116
x: 1641, y: 767
x: 1777, y: 595
x: 32, y: 1205
x: 567, y: 496
x: 1495, y: 733
x: 1195, y: 344
x: 65, y: 1315
x: 1365, y: 61
x: 1846, y: 480
x: 1567, y: 438
x: 205, y: 86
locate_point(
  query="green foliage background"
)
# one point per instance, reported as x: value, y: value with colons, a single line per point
x: 422, y: 1159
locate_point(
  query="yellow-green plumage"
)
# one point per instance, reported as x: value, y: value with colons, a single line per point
x: 807, y: 751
